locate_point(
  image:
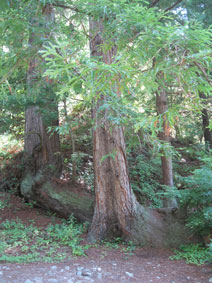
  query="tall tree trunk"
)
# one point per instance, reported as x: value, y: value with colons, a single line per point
x: 42, y: 149
x: 205, y: 124
x: 115, y: 201
x: 117, y: 211
x: 164, y: 135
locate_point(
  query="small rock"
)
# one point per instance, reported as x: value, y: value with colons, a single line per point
x: 99, y: 269
x: 67, y: 268
x: 158, y: 277
x: 130, y: 274
x: 54, y: 267
x: 53, y: 280
x: 158, y: 265
x: 1, y: 272
x: 62, y: 270
x: 210, y: 280
x: 86, y: 272
x: 28, y: 281
x: 188, y: 278
x: 99, y: 276
x: 18, y: 266
x: 149, y: 262
x: 114, y: 264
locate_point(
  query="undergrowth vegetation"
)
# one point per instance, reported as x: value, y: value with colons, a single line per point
x: 193, y: 254
x: 29, y: 243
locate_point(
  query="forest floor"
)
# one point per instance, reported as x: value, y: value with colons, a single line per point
x: 103, y: 263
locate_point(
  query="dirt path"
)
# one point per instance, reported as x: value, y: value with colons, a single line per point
x: 144, y: 266
x: 102, y: 264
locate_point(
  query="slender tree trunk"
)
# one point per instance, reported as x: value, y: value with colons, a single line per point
x: 164, y: 135
x: 74, y: 163
x: 205, y: 124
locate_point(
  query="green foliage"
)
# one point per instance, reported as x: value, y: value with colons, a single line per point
x: 28, y: 243
x: 126, y: 247
x: 4, y: 203
x: 198, y: 198
x: 145, y: 176
x: 192, y: 254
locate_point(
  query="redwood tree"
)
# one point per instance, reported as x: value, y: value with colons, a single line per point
x: 42, y: 148
x: 117, y: 211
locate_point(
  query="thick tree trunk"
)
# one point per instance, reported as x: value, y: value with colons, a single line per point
x: 42, y: 149
x: 64, y: 199
x: 205, y: 124
x: 117, y: 211
x: 114, y: 199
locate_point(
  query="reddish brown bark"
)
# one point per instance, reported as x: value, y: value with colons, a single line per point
x: 40, y: 146
x: 164, y: 135
x: 117, y: 212
x: 115, y: 202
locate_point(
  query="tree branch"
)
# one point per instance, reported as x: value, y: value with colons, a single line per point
x: 65, y: 7
x: 153, y: 4
x: 204, y: 73
x: 174, y: 5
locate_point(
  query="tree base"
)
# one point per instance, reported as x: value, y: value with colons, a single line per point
x: 163, y: 228
x: 64, y: 199
x: 160, y: 228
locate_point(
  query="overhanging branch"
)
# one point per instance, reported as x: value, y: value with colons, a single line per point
x: 172, y: 6
x: 154, y: 3
x: 203, y: 72
x: 65, y: 7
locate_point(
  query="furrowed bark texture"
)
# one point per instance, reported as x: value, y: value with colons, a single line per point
x: 114, y: 199
x: 117, y: 212
x: 40, y: 146
x: 42, y: 149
